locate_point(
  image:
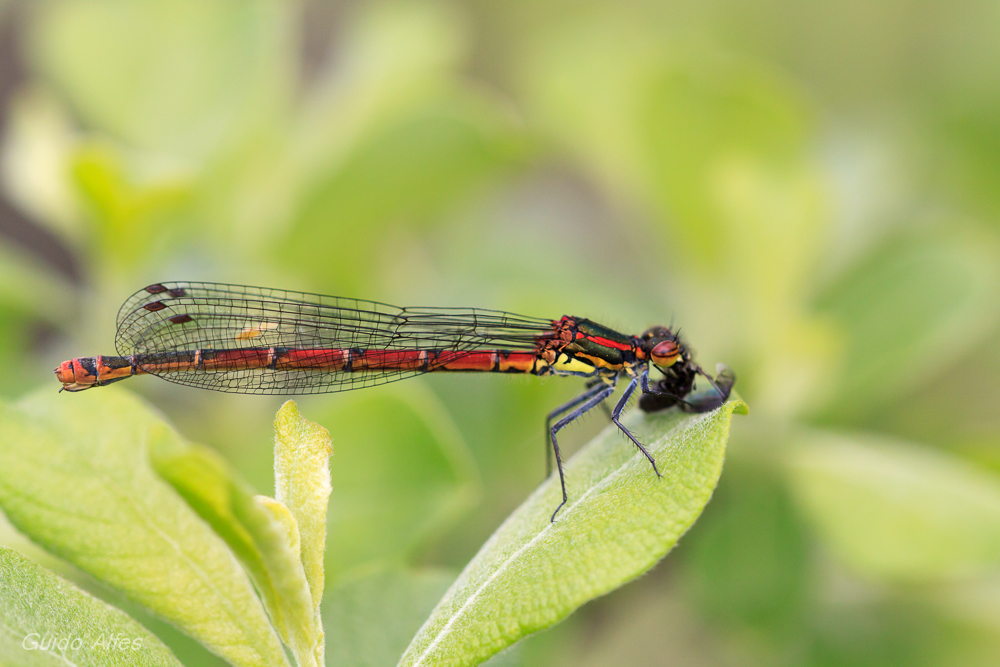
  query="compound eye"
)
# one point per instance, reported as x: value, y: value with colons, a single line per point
x: 665, y: 353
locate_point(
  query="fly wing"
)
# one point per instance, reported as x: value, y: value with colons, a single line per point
x: 166, y: 320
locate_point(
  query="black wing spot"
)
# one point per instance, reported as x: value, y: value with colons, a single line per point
x: 156, y: 289
x: 154, y: 306
x: 181, y: 319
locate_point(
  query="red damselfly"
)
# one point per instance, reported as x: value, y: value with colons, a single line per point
x: 256, y: 340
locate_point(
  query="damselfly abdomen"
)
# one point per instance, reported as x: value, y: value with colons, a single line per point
x: 255, y: 340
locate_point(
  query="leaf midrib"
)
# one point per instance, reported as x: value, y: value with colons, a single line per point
x: 600, y: 485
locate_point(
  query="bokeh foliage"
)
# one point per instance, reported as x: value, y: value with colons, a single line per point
x: 808, y: 190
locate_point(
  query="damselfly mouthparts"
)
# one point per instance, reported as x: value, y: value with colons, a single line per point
x: 255, y: 340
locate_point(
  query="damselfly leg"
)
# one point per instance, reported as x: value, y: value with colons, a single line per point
x: 679, y: 391
x: 595, y: 394
x: 591, y: 401
x: 622, y: 402
x: 593, y: 387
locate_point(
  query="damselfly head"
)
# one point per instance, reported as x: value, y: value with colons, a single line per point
x: 665, y: 353
x: 663, y: 347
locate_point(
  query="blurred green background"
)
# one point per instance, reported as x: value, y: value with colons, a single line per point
x: 810, y: 190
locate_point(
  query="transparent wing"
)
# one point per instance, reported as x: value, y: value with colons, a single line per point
x: 163, y: 321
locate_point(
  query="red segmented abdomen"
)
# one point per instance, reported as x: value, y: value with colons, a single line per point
x: 353, y: 360
x: 85, y: 372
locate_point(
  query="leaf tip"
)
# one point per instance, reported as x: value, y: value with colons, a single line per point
x: 287, y: 414
x: 740, y: 407
x: 291, y: 426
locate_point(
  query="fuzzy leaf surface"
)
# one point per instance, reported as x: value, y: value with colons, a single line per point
x: 45, y: 620
x: 620, y: 520
x: 75, y: 477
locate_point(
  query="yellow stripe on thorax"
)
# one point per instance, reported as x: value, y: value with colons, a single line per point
x: 567, y: 364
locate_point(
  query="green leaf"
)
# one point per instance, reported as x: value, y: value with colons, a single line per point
x: 253, y: 529
x: 45, y: 620
x: 302, y: 452
x: 369, y: 621
x: 896, y: 510
x: 619, y: 521
x: 75, y: 478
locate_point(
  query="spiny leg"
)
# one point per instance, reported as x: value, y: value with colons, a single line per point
x: 592, y: 389
x: 604, y: 404
x: 645, y: 382
x: 601, y: 394
x: 617, y: 412
x: 646, y: 389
